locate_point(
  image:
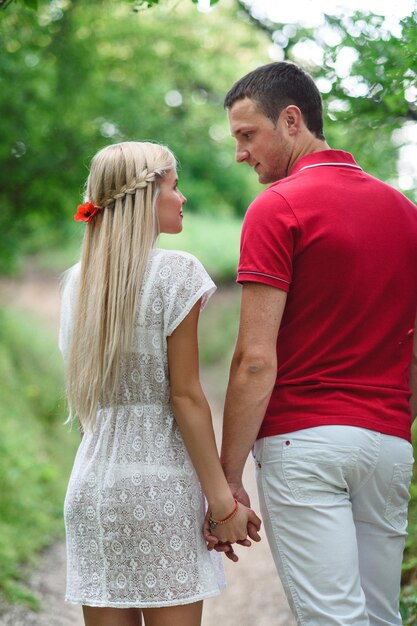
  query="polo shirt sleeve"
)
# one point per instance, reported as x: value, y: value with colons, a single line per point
x: 268, y: 240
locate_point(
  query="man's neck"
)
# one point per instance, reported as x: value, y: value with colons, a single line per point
x: 307, y: 147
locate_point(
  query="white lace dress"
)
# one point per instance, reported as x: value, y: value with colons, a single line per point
x: 134, y: 508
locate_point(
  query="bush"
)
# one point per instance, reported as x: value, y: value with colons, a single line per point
x: 36, y: 450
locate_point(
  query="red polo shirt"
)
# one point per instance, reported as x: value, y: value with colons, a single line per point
x: 344, y: 246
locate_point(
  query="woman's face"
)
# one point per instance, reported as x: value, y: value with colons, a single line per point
x: 169, y: 204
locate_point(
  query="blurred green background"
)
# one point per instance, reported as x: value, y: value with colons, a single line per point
x: 75, y: 76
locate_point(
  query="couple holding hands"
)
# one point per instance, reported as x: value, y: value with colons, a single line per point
x: 321, y: 389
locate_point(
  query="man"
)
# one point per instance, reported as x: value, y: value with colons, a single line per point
x: 319, y: 383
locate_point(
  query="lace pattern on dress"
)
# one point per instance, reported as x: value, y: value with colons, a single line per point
x: 134, y: 508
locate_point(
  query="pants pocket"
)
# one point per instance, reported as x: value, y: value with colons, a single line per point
x: 258, y: 452
x: 399, y: 496
x: 317, y: 474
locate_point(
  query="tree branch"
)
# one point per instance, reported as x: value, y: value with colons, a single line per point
x: 265, y: 25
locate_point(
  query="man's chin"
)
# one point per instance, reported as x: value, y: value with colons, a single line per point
x: 267, y: 178
x: 264, y: 179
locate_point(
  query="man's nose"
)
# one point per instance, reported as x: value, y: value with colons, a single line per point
x: 242, y: 155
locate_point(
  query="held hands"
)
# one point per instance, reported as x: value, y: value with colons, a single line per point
x: 235, y: 528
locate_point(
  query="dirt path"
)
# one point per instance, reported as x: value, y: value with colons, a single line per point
x: 254, y: 595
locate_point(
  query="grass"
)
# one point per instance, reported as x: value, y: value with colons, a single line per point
x: 218, y: 327
x: 36, y: 450
x: 213, y: 240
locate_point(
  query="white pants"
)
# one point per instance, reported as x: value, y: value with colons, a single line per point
x: 334, y: 504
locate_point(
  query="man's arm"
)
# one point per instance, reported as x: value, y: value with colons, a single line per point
x: 413, y: 375
x: 252, y: 376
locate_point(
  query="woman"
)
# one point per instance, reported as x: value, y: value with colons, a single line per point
x: 134, y: 508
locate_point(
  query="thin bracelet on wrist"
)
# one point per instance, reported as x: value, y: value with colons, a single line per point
x: 216, y: 522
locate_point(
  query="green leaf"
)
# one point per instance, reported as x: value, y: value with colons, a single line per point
x: 5, y: 3
x: 141, y: 5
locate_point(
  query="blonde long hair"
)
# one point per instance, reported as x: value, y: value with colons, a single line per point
x: 124, y: 181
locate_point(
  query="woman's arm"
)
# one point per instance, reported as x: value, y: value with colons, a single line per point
x: 193, y: 417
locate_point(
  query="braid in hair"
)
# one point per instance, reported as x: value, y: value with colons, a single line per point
x: 117, y: 245
x: 140, y: 183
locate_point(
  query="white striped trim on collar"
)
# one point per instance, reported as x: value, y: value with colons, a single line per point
x: 306, y: 167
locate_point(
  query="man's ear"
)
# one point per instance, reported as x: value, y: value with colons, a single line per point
x: 292, y: 118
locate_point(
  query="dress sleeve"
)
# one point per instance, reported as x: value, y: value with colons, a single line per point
x: 189, y: 282
x: 268, y: 240
x: 70, y: 283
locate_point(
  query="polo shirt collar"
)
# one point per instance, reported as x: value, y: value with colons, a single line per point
x: 324, y: 157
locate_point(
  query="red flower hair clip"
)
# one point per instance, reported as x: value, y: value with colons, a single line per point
x: 86, y: 212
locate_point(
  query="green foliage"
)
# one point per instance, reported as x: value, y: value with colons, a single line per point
x: 138, y: 5
x: 36, y: 450
x: 383, y: 66
x: 376, y: 97
x: 90, y: 74
x: 87, y: 74
x: 408, y: 606
x: 368, y: 103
